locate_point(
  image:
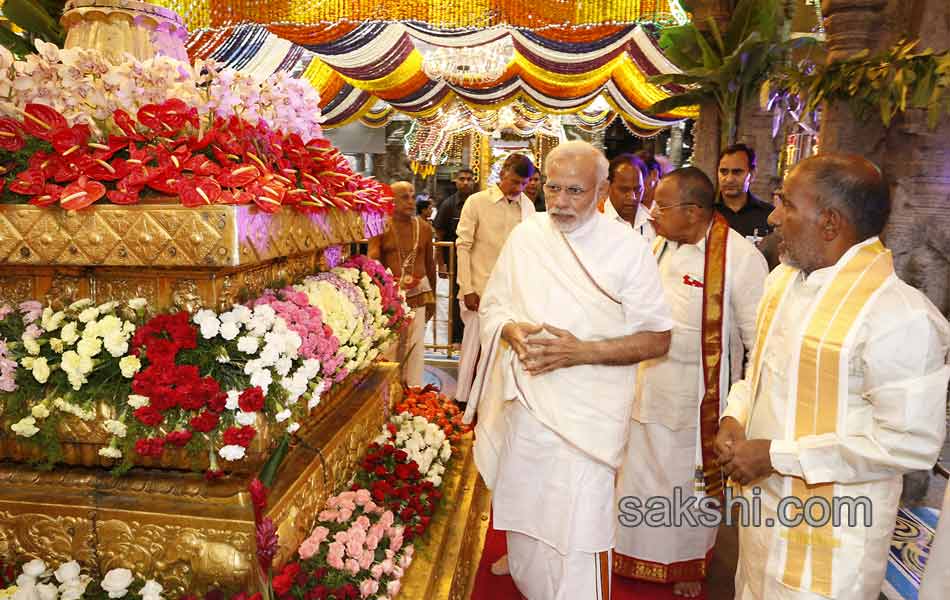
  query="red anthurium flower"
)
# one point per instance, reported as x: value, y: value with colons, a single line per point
x: 200, y: 191
x: 42, y: 121
x: 268, y: 194
x: 201, y: 165
x: 102, y: 170
x: 68, y: 170
x: 108, y: 150
x: 166, y: 181
x: 28, y: 183
x: 44, y: 162
x: 172, y: 115
x: 148, y: 115
x: 81, y: 194
x: 51, y: 195
x: 239, y: 176
x: 68, y: 140
x: 196, y: 144
x: 126, y: 123
x: 125, y: 193
x: 296, y: 196
x: 11, y: 139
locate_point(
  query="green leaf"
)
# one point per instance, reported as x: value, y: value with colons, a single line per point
x: 15, y: 43
x: 670, y: 104
x: 32, y: 18
x: 269, y: 470
x: 711, y: 60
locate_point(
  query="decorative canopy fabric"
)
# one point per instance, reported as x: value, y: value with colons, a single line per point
x: 354, y: 65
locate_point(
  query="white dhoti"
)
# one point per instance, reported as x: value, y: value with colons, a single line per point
x: 540, y: 571
x: 414, y: 354
x: 471, y: 348
x: 556, y: 504
x: 661, y: 554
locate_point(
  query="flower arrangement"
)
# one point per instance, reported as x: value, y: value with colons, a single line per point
x: 359, y: 546
x: 206, y: 384
x: 393, y: 301
x: 76, y: 129
x: 430, y: 403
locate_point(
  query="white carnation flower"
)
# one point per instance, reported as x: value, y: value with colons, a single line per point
x: 116, y: 428
x: 248, y: 344
x: 107, y: 307
x: 282, y: 416
x: 293, y: 427
x: 41, y: 370
x: 25, y: 427
x: 90, y: 314
x: 69, y: 334
x: 137, y: 401
x: 67, y: 571
x: 39, y: 411
x: 34, y: 568
x: 117, y: 582
x: 233, y: 397
x: 229, y: 330
x: 210, y: 328
x: 137, y: 303
x: 245, y: 418
x: 80, y: 304
x: 232, y: 452
x: 130, y: 365
x: 152, y: 590
x: 110, y: 452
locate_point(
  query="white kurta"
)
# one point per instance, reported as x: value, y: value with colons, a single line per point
x: 894, y: 422
x: 661, y: 455
x: 935, y: 584
x: 550, y: 457
x: 484, y: 225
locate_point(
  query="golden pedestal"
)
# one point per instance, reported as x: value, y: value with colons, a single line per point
x: 171, y: 255
x: 175, y: 527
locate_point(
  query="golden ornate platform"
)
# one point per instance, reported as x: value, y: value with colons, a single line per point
x: 188, y: 533
x: 172, y: 255
x: 446, y: 563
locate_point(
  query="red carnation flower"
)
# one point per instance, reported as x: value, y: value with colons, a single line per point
x: 285, y: 580
x: 148, y: 415
x: 204, y: 422
x: 239, y: 436
x: 150, y: 446
x: 251, y: 399
x: 178, y: 438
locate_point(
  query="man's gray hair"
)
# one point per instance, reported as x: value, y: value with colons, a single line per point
x: 577, y: 149
x: 854, y: 186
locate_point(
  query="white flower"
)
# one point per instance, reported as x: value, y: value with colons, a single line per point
x: 54, y: 321
x: 238, y: 314
x: 25, y: 427
x: 57, y: 345
x: 80, y: 304
x: 293, y: 427
x: 74, y: 588
x: 130, y: 365
x: 232, y: 452
x: 229, y: 330
x: 27, y: 362
x: 204, y: 315
x: 116, y: 428
x: 30, y: 344
x: 283, y: 366
x: 107, y: 307
x: 248, y: 344
x: 41, y: 370
x: 233, y: 397
x: 210, y: 327
x: 117, y: 582
x: 110, y: 452
x: 69, y: 333
x: 136, y: 401
x: 262, y: 378
x: 89, y: 347
x: 137, y: 303
x: 245, y: 418
x: 90, y: 314
x: 67, y: 571
x: 446, y: 453
x: 282, y: 416
x: 116, y: 343
x: 34, y: 568
x: 47, y: 591
x: 39, y: 411
x: 435, y: 479
x: 152, y: 590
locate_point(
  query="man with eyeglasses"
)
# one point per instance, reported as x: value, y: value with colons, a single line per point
x: 573, y: 304
x: 713, y: 279
x: 485, y: 223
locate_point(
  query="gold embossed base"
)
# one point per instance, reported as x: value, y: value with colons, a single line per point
x: 446, y: 562
x: 177, y: 528
x: 174, y: 256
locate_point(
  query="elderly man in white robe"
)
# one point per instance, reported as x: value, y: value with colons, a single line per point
x: 845, y: 392
x: 574, y: 303
x: 713, y: 279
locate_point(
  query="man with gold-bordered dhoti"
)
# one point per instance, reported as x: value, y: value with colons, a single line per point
x: 845, y: 392
x: 712, y: 278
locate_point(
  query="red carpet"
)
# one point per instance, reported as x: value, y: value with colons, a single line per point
x: 493, y: 587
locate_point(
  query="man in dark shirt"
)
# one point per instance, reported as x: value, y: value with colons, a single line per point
x: 743, y: 211
x: 446, y: 222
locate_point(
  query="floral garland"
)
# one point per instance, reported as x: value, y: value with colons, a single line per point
x: 428, y: 402
x: 204, y: 384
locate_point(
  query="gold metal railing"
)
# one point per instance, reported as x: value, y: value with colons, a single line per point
x: 447, y: 347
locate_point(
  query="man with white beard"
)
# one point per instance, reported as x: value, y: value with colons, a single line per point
x: 573, y: 304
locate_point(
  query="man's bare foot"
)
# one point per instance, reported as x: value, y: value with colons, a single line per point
x: 688, y: 589
x: 500, y: 566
